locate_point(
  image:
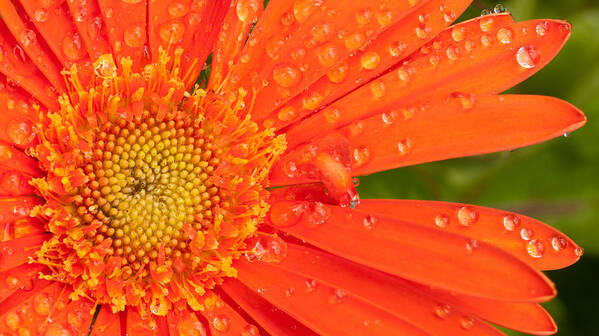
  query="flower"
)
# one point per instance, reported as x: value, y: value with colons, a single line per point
x: 135, y: 202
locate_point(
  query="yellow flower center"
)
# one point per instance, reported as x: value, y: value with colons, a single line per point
x: 151, y: 191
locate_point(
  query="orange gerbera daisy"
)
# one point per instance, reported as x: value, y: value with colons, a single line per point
x: 135, y: 202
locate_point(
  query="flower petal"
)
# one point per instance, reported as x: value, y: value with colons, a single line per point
x: 126, y: 26
x: 296, y: 44
x: 107, y: 323
x: 14, y: 159
x: 74, y: 319
x: 237, y: 24
x: 273, y: 320
x: 16, y: 278
x: 444, y: 260
x: 391, y: 294
x: 388, y: 49
x: 15, y: 208
x: 18, y: 117
x: 321, y: 308
x: 482, y: 62
x: 28, y: 42
x: 185, y: 322
x: 136, y: 325
x: 19, y: 68
x: 532, y: 241
x: 58, y: 31
x: 87, y: 18
x: 16, y: 252
x: 444, y: 129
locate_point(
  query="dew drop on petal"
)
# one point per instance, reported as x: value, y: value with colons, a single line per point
x: 178, y: 9
x: 40, y: 15
x: 396, y: 48
x: 311, y: 285
x: 332, y: 115
x: 286, y: 75
x: 337, y: 74
x: 535, y: 248
x: 541, y: 28
x: 250, y: 330
x: 172, y: 32
x: 42, y: 304
x: 466, y: 322
x: 442, y: 311
x: 327, y: 55
x: 370, y: 60
x: 458, y: 33
x: 471, y: 245
x: 338, y: 296
x: 289, y: 292
x: 404, y: 146
x: 467, y: 216
x: 486, y: 24
x: 361, y: 156
x: 287, y: 113
x: 20, y: 131
x: 441, y: 221
x: 579, y: 251
x: 354, y: 41
x: 134, y: 36
x: 526, y: 233
x: 221, y: 323
x: 511, y: 222
x: 370, y: 222
x: 12, y: 283
x: 528, y: 56
x: 505, y: 35
x: 559, y: 243
x: 318, y: 213
x: 377, y: 89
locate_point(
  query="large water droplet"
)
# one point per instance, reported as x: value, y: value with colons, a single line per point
x: 535, y: 248
x: 526, y: 233
x: 505, y: 35
x: 442, y: 311
x: 467, y: 216
x: 559, y: 243
x: 528, y: 56
x: 286, y: 75
x: 511, y: 222
x: 221, y: 323
x: 441, y: 221
x: 135, y: 36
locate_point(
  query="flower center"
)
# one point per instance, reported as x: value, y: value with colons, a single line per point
x: 147, y: 179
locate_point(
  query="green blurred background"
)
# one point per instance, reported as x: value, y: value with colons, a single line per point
x: 557, y: 181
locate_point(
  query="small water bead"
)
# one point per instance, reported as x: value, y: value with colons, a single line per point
x: 505, y: 35
x: 287, y: 19
x: 361, y: 156
x: 312, y: 101
x: 528, y: 56
x: 27, y: 37
x: 20, y: 131
x: 318, y: 213
x: 290, y: 291
x: 442, y: 311
x: 370, y: 60
x: 337, y: 74
x: 178, y: 9
x: 57, y: 330
x: 42, y: 304
x: 354, y: 41
x: 384, y: 18
x: 579, y: 251
x: 458, y: 33
x: 486, y: 40
x: 250, y: 330
x: 422, y: 31
x: 377, y: 89
x: 311, y: 285
x: 12, y: 320
x: 287, y: 113
x: 466, y: 322
x: 302, y: 9
x: 286, y: 75
x: 364, y: 17
x: 526, y: 233
x: 511, y: 222
x: 541, y: 28
x: 404, y: 146
x: 467, y: 216
x: 40, y: 15
x: 338, y: 296
x: 499, y: 8
x: 449, y: 17
x: 453, y: 53
x: 370, y: 222
x: 471, y: 245
x: 465, y: 101
x: 441, y: 221
x: 332, y: 115
x: 559, y: 243
x: 486, y: 24
x: 322, y: 32
x: 172, y: 32
x: 246, y: 8
x: 535, y: 248
x: 397, y: 48
x: 221, y: 323
x: 389, y: 118
x: 403, y: 74
x: 327, y: 55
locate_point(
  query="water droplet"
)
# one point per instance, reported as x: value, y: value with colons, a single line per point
x: 579, y: 251
x: 356, y: 129
x: 338, y: 296
x: 499, y: 8
x: 287, y: 113
x: 354, y: 41
x: 471, y: 245
x: 287, y: 18
x: 311, y: 285
x: 370, y: 222
x: 377, y: 89
x: 370, y: 60
x: 465, y: 101
x: 270, y: 249
x: 361, y: 156
x: 403, y: 74
x: 505, y: 35
x: 486, y: 24
x: 442, y: 311
x: 422, y: 31
x: 302, y: 9
x: 559, y: 243
x: 404, y: 146
x: 453, y: 53
x: 27, y: 37
x: 449, y: 17
x: 12, y: 283
x: 250, y: 330
x: 535, y: 248
x: 40, y: 15
x: 441, y: 221
x: 363, y: 17
x: 526, y: 233
x: 290, y: 291
x: 172, y: 32
x: 467, y: 322
x: 542, y: 28
x: 318, y: 213
x: 134, y: 36
x: 221, y: 323
x: 511, y: 222
x: 312, y: 101
x: 286, y: 75
x: 384, y: 18
x: 528, y: 56
x: 337, y: 74
x: 332, y: 115
x: 42, y: 304
x: 327, y: 55
x: 246, y: 9
x: 389, y: 117
x: 458, y: 33
x: 178, y: 9
x: 12, y: 320
x: 396, y: 48
x: 467, y: 216
x: 20, y: 131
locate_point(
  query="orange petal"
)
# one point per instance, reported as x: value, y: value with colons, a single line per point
x: 26, y: 312
x: 58, y: 30
x: 74, y: 318
x: 321, y: 307
x: 185, y: 322
x: 193, y: 26
x: 14, y: 208
x: 273, y: 320
x: 32, y: 46
x: 389, y: 48
x: 237, y: 24
x: 529, y: 318
x: 222, y: 319
x: 530, y: 240
x: 14, y: 159
x: 87, y: 17
x: 126, y: 26
x: 298, y: 42
x: 444, y: 260
x: 107, y: 323
x: 137, y: 325
x: 18, y: 278
x: 18, y: 117
x: 19, y: 68
x: 17, y: 251
x: 485, y: 61
x: 446, y: 129
x: 382, y: 290
x: 15, y: 183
